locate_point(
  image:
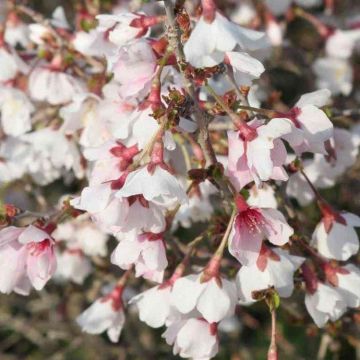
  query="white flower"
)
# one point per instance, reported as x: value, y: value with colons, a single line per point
x: 275, y: 268
x: 193, y: 338
x: 159, y: 187
x: 341, y: 241
x: 53, y: 86
x: 215, y: 299
x: 16, y: 109
x: 263, y: 197
x: 10, y: 65
x: 105, y: 314
x: 334, y: 74
x: 325, y: 304
x: 72, y: 265
x: 146, y: 251
x: 155, y: 308
x: 209, y: 41
x: 311, y: 126
x: 349, y: 285
x: 341, y: 43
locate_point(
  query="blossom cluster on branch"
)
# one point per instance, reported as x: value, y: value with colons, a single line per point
x: 161, y: 121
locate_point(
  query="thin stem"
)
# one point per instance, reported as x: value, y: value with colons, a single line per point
x: 231, y: 113
x: 220, y: 250
x: 272, y: 353
x: 174, y: 36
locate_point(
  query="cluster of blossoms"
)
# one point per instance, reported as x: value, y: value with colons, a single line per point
x: 163, y: 130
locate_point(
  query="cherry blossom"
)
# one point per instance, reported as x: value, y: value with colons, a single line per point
x: 28, y: 256
x: 325, y: 304
x: 311, y: 126
x: 16, y: 110
x: 146, y: 251
x: 273, y: 268
x: 214, y: 35
x: 214, y: 299
x: 105, y: 314
x: 50, y: 84
x: 245, y: 162
x: 335, y: 236
x: 193, y: 338
x: 251, y: 226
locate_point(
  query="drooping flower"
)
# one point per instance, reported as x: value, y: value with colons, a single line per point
x: 273, y: 268
x: 158, y: 186
x: 214, y: 35
x: 105, y: 314
x: 193, y: 338
x: 214, y: 297
x: 146, y: 251
x: 256, y: 152
x: 251, y: 226
x: 335, y: 236
x: 28, y: 256
x: 311, y: 127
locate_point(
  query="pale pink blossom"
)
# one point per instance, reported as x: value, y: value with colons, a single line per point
x: 213, y: 298
x: 325, y: 304
x: 341, y: 43
x: 273, y: 268
x: 256, y: 152
x: 213, y: 37
x: 148, y: 302
x: 134, y: 68
x: 311, y: 126
x: 52, y: 85
x: 16, y: 110
x: 335, y: 236
x: 72, y: 265
x: 105, y: 314
x: 146, y: 251
x: 193, y: 338
x: 159, y: 186
x: 335, y: 74
x: 27, y: 252
x: 251, y: 226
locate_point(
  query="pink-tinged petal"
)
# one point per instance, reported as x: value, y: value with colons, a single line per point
x: 275, y: 128
x: 277, y: 229
x: 249, y: 279
x: 245, y: 245
x: 236, y: 148
x: 97, y: 318
x: 148, y: 304
x: 114, y: 331
x: 317, y: 127
x: 186, y: 292
x: 196, y: 341
x: 340, y: 243
x: 94, y: 198
x: 9, y: 234
x: 215, y: 303
x: 40, y: 266
x: 259, y: 157
x: 245, y: 63
x: 240, y: 175
x: 317, y: 98
x: 12, y: 259
x: 154, y: 255
x: 33, y: 234
x: 126, y: 253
